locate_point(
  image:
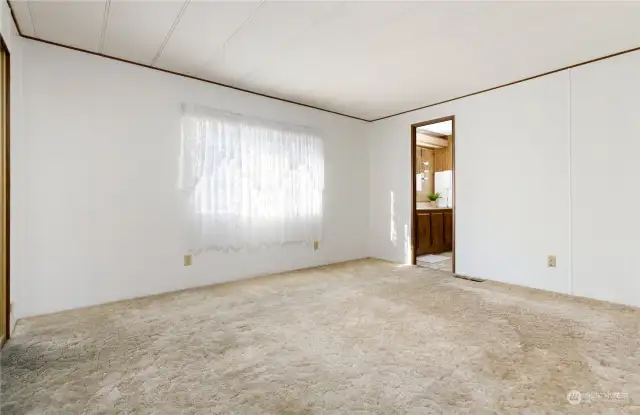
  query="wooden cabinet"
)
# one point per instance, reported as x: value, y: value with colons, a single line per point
x: 442, y: 159
x: 423, y: 233
x: 437, y: 232
x: 434, y: 231
x: 448, y: 230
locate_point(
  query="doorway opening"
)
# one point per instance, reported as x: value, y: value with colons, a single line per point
x: 433, y: 201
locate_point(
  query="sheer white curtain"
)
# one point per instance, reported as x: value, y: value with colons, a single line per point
x: 249, y: 182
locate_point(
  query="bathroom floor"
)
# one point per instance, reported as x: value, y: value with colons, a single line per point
x: 442, y: 261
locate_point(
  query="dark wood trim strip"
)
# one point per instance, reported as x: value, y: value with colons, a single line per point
x: 413, y: 246
x: 15, y: 21
x: 511, y: 83
x: 190, y: 77
x: 455, y: 189
x: 13, y: 16
x: 7, y: 195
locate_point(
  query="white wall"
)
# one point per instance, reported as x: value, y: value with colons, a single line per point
x: 525, y: 157
x: 605, y: 148
x: 103, y: 218
x: 96, y: 216
x: 512, y: 177
x: 512, y: 167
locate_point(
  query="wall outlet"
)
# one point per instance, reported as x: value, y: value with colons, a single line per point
x: 187, y: 260
x: 315, y: 245
x: 551, y: 261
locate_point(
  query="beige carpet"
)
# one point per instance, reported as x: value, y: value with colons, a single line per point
x: 361, y: 337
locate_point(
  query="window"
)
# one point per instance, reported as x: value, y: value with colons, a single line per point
x: 249, y: 182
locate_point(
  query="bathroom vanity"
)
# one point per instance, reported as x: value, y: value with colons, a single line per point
x: 434, y: 233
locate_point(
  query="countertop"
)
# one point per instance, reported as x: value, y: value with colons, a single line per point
x: 427, y: 206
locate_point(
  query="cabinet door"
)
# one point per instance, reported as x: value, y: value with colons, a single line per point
x: 448, y: 231
x: 423, y: 234
x: 437, y: 232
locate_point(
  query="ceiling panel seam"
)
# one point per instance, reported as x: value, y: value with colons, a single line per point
x: 183, y: 9
x: 33, y: 22
x: 105, y: 22
x: 224, y: 45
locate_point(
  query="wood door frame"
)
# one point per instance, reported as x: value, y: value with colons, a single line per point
x: 7, y: 192
x: 414, y: 211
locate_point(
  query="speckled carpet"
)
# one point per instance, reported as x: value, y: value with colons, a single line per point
x: 360, y: 337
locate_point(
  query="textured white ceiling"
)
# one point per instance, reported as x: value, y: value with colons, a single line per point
x: 367, y: 59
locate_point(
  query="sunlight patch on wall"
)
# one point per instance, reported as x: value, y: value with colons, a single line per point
x: 393, y: 234
x: 408, y: 254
